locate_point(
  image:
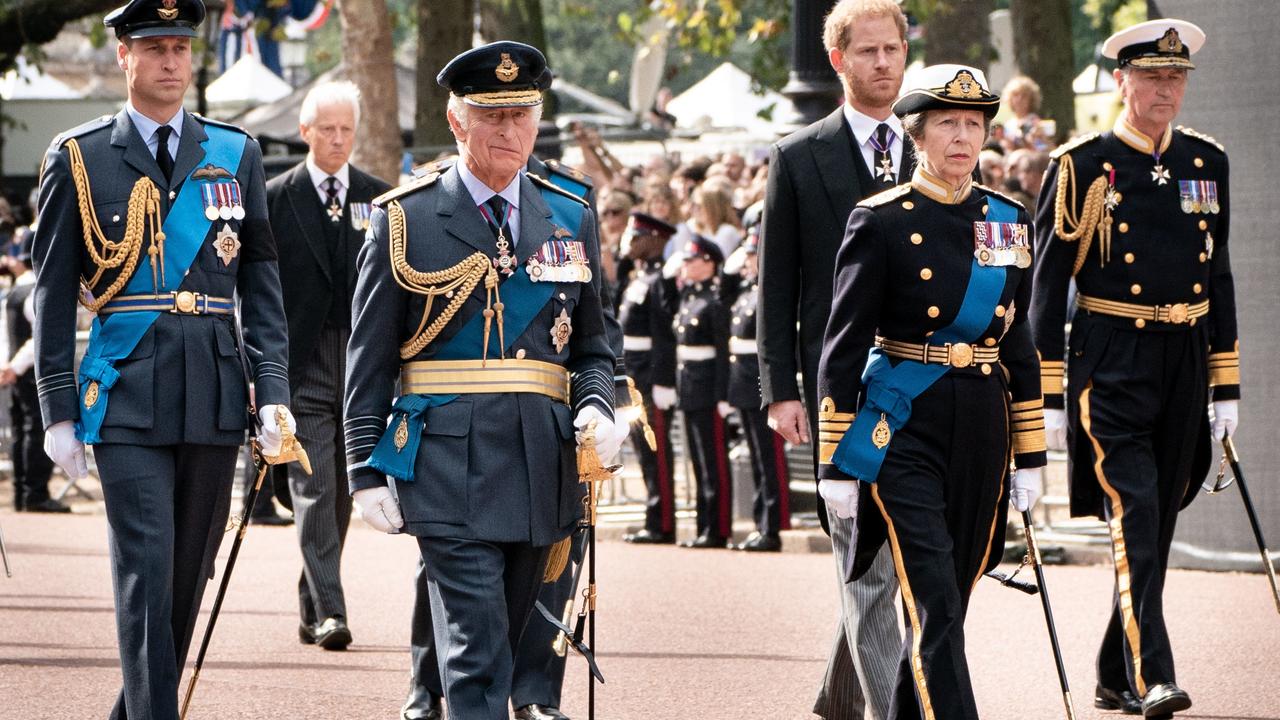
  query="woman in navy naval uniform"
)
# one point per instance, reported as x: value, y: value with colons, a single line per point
x: 929, y: 383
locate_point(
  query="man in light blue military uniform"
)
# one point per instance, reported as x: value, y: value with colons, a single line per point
x: 479, y: 291
x: 154, y: 219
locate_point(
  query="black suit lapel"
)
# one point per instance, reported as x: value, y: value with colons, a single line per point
x: 305, y: 203
x: 125, y: 136
x: 833, y: 153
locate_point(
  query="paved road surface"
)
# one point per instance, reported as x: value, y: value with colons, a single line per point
x: 684, y: 635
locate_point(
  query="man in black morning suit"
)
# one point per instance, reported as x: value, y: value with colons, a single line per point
x: 319, y: 211
x: 174, y: 211
x: 816, y: 176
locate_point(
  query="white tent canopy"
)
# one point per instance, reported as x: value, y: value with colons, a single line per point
x: 724, y: 99
x: 247, y: 82
x: 27, y: 82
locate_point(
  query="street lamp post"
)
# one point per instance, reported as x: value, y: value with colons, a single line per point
x: 212, y: 33
x: 293, y: 54
x: 813, y: 88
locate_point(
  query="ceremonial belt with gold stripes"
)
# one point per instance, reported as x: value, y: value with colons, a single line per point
x: 1175, y: 314
x: 182, y: 302
x: 463, y: 377
x: 956, y: 355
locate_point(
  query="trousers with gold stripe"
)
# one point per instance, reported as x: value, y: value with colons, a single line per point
x: 941, y: 492
x: 1138, y: 406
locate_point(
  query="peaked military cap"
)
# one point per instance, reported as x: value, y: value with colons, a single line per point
x: 156, y: 18
x: 702, y: 247
x: 1155, y: 44
x: 500, y: 74
x: 947, y: 87
x: 649, y: 225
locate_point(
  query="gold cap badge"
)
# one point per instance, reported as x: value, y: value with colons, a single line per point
x: 169, y: 11
x: 964, y: 85
x: 507, y: 70
x: 1170, y: 42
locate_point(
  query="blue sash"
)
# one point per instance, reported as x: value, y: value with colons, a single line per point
x: 112, y: 339
x: 522, y: 299
x: 890, y: 389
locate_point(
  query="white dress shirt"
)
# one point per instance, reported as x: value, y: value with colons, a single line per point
x: 318, y: 178
x: 481, y: 193
x: 147, y: 127
x: 864, y: 128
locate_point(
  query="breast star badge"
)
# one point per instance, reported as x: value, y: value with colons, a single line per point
x: 227, y: 243
x: 561, y: 331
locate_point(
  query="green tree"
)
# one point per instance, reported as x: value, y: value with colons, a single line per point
x: 368, y: 56
x: 444, y: 30
x: 1042, y: 50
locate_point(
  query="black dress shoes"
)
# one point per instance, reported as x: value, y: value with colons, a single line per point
x: 645, y: 537
x: 421, y: 705
x: 306, y: 634
x: 1122, y: 700
x: 759, y: 542
x: 706, y: 540
x: 270, y: 519
x: 540, y: 712
x: 48, y: 505
x: 333, y: 634
x: 1164, y: 699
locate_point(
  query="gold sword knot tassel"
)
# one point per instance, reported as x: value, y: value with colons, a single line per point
x: 290, y: 449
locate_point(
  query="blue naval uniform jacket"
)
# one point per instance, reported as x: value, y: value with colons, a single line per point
x: 498, y: 467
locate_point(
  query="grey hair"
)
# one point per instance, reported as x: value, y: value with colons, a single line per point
x: 460, y: 110
x: 329, y: 93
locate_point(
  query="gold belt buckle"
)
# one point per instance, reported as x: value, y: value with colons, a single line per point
x: 1178, y: 313
x: 960, y: 355
x: 185, y: 302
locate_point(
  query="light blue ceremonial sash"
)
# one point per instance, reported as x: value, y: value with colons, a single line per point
x: 522, y: 300
x: 115, y: 337
x: 890, y: 389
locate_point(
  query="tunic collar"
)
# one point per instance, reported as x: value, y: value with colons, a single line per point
x: 1131, y: 136
x: 935, y: 188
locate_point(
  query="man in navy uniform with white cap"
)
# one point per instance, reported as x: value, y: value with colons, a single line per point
x: 479, y: 291
x: 1139, y: 217
x: 153, y: 219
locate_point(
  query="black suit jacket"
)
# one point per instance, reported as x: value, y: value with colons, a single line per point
x: 816, y: 176
x: 306, y: 275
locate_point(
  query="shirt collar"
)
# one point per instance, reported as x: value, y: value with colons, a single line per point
x: 147, y: 127
x: 935, y: 188
x: 864, y: 126
x: 1134, y: 138
x: 480, y: 193
x: 318, y: 176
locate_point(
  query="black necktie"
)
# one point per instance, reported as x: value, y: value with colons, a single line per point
x: 497, y: 214
x: 883, y: 160
x: 331, y: 192
x: 163, y: 158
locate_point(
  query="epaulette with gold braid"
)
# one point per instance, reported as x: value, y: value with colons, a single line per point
x: 1070, y: 145
x: 543, y: 182
x: 1189, y: 132
x: 881, y: 198
x: 401, y: 190
x: 1002, y: 196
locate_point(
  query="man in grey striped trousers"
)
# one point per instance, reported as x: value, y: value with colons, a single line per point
x: 816, y: 176
x: 318, y: 211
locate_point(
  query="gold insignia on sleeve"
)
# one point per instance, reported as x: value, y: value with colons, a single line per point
x: 1170, y: 42
x: 507, y: 70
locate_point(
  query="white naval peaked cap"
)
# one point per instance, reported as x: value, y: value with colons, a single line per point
x: 1155, y: 43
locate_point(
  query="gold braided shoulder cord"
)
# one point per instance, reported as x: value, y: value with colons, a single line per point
x: 455, y: 282
x: 1094, y: 215
x: 143, y: 212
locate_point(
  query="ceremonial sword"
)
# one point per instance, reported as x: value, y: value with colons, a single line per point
x: 4, y: 555
x: 1033, y: 556
x: 1229, y: 455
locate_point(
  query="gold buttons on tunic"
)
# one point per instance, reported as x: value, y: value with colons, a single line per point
x: 1106, y: 166
x: 1000, y: 311
x: 989, y: 342
x: 1136, y: 289
x: 1192, y: 322
x: 1129, y: 258
x: 115, y: 218
x: 1124, y: 227
x: 1204, y: 225
x: 520, y: 354
x: 984, y: 209
x: 1140, y: 323
x: 694, y: 322
x: 916, y: 238
x: 561, y: 296
x: 907, y: 204
x: 934, y: 311
x: 1199, y: 162
x: 1197, y: 288
x: 925, y: 273
x: 986, y: 368
x: 1204, y: 256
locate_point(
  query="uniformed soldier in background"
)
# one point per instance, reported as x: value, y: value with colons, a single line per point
x: 153, y: 219
x: 929, y: 383
x: 1139, y: 216
x: 479, y: 291
x: 649, y: 349
x: 702, y: 386
x: 770, y: 508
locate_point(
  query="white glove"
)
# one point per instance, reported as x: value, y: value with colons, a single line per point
x: 664, y: 397
x: 1026, y: 486
x: 607, y: 440
x: 841, y: 496
x: 1055, y: 428
x: 378, y: 508
x: 724, y: 408
x: 1225, y: 415
x: 270, y: 437
x: 61, y: 445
